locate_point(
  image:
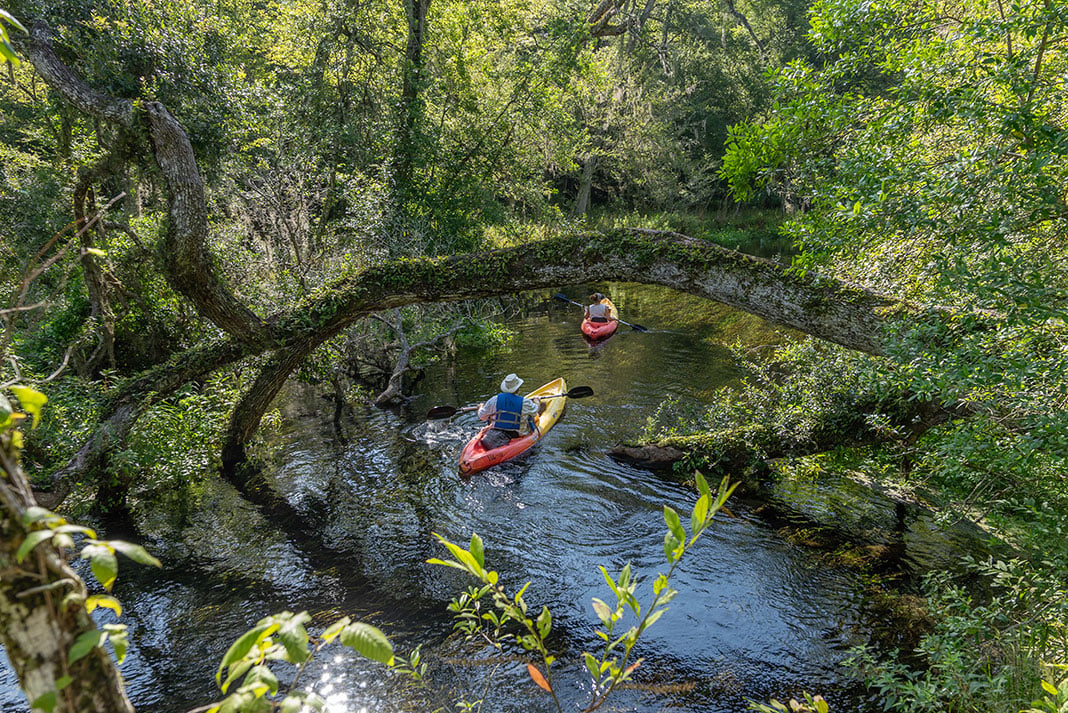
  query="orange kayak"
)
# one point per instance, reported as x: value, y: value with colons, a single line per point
x: 602, y: 330
x: 475, y: 458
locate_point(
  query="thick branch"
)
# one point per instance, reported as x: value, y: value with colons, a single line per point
x: 43, y: 57
x: 745, y: 23
x: 189, y: 263
x: 826, y: 308
x: 250, y: 409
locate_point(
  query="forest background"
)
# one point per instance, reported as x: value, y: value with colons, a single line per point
x: 915, y: 149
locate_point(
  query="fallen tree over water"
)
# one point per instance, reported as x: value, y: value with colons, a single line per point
x: 830, y: 309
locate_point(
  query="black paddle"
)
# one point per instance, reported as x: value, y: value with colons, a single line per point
x: 636, y: 327
x: 579, y: 392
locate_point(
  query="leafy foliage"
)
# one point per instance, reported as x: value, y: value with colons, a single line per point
x: 989, y: 645
x: 489, y: 613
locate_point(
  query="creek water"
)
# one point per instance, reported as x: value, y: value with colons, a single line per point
x: 756, y: 615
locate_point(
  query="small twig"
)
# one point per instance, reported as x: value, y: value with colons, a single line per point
x: 23, y: 308
x: 46, y: 587
x: 62, y: 365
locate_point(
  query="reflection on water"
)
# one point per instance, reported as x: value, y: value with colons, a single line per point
x: 756, y: 616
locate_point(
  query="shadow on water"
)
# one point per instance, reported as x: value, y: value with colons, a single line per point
x: 350, y: 506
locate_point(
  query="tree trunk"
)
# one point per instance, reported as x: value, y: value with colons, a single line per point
x: 100, y: 313
x: 42, y: 613
x: 190, y: 268
x: 582, y: 200
x: 410, y: 109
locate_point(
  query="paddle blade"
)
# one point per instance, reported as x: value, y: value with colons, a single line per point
x: 441, y: 412
x: 561, y: 296
x: 580, y: 392
x: 638, y: 328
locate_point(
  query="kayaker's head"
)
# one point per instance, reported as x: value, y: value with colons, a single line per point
x: 511, y: 384
x: 596, y: 297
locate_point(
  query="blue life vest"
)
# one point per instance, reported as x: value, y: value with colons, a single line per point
x: 509, y: 412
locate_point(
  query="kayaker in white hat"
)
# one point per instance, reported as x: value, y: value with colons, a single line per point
x: 510, y: 414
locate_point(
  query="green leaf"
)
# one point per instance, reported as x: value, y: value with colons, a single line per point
x: 63, y: 681
x: 603, y: 611
x: 261, y: 681
x: 103, y: 600
x: 65, y: 529
x: 334, y: 629
x: 236, y: 671
x: 1049, y: 688
x: 544, y: 622
x: 592, y: 666
x: 46, y: 701
x: 36, y: 514
x: 464, y: 557
x: 448, y: 563
x: 652, y: 618
x: 670, y: 545
x: 120, y: 642
x: 103, y: 563
x: 243, y: 645
x: 86, y: 642
x: 63, y: 542
x: 611, y: 582
x: 135, y: 552
x: 10, y: 19
x: 702, y: 484
x: 237, y: 702
x: 368, y: 641
x: 291, y: 704
x: 31, y: 401
x: 674, y: 524
x: 32, y: 540
x: 699, y: 515
x: 313, y: 701
x: 659, y: 583
x: 5, y: 411
x: 477, y: 550
x: 294, y: 638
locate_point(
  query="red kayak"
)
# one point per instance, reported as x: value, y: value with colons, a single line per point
x: 602, y: 330
x: 475, y: 458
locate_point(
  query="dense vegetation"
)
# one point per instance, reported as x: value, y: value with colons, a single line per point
x: 918, y: 148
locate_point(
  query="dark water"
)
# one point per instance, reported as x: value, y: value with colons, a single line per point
x: 756, y: 616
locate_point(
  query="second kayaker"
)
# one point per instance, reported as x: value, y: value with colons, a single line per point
x: 598, y: 311
x: 510, y: 414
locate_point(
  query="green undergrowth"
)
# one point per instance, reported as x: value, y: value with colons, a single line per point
x: 814, y: 418
x: 793, y: 397
x: 74, y: 407
x: 750, y: 230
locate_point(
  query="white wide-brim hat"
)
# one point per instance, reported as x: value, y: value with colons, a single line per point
x: 511, y: 384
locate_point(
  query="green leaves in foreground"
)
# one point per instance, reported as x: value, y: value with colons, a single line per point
x: 47, y: 526
x: 613, y: 666
x: 284, y: 637
x: 508, y: 618
x: 7, y: 52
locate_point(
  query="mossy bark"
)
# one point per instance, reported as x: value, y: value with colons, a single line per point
x: 42, y: 613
